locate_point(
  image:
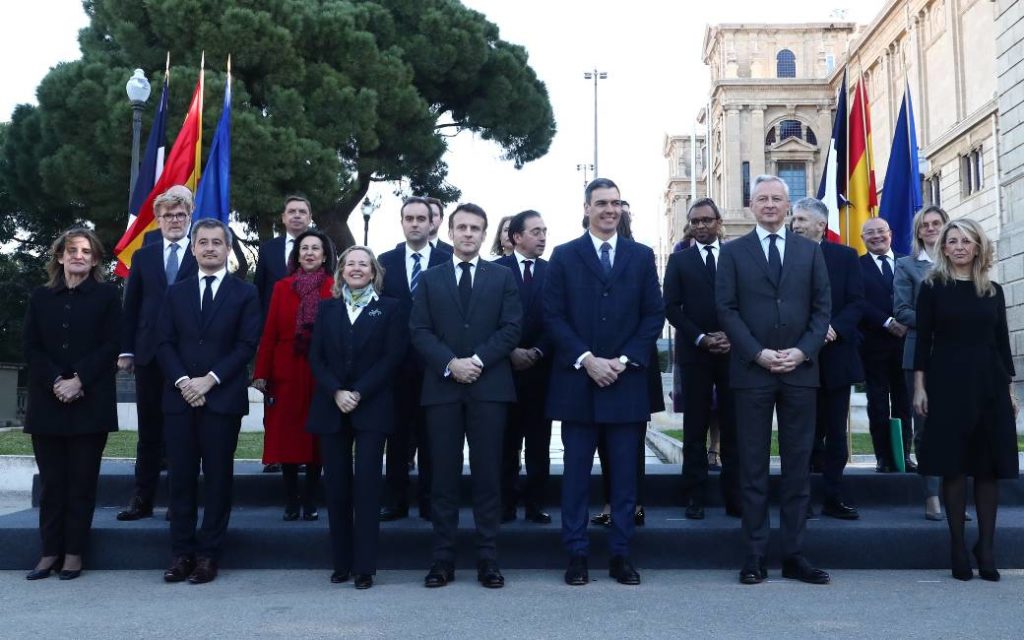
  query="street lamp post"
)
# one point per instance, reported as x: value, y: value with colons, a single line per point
x: 368, y: 207
x: 138, y: 90
x: 595, y: 75
x: 584, y: 167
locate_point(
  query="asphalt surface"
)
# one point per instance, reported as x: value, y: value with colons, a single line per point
x: 534, y: 604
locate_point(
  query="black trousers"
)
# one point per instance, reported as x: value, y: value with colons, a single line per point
x: 833, y: 411
x: 149, y: 452
x: 702, y: 383
x: 888, y: 396
x: 526, y: 424
x: 796, y: 412
x: 605, y: 458
x: 353, y: 501
x: 69, y: 468
x: 448, y: 426
x: 409, y: 436
x: 200, y: 437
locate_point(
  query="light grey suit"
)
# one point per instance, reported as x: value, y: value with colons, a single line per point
x: 759, y: 313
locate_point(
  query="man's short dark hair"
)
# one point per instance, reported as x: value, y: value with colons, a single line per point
x: 416, y: 200
x: 518, y: 223
x: 296, y: 197
x: 468, y: 207
x: 624, y: 203
x: 440, y: 206
x: 704, y: 202
x: 595, y: 184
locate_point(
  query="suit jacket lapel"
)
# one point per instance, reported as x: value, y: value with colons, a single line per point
x: 753, y: 245
x: 586, y: 250
x: 363, y: 324
x: 624, y: 252
x: 450, y: 287
x: 223, y: 291
x: 483, y: 273
x: 787, y: 262
x: 697, y: 260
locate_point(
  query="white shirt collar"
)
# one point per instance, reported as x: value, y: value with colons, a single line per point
x: 888, y: 254
x: 613, y: 241
x: 218, y: 275
x: 424, y: 253
x: 520, y: 257
x: 924, y: 256
x: 458, y: 261
x: 700, y: 247
x: 182, y: 244
x: 763, y: 233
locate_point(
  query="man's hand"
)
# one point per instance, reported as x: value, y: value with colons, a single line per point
x: 347, y: 401
x: 920, y: 401
x: 126, y: 364
x: 789, y: 360
x: 523, y: 359
x: 720, y: 343
x: 259, y: 384
x: 602, y: 370
x: 68, y: 390
x: 769, y: 359
x: 464, y: 370
x: 195, y: 389
x: 831, y: 335
x: 897, y: 329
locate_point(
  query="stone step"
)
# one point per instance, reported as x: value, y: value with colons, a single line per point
x: 895, y: 538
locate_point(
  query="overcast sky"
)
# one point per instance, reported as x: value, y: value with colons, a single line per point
x: 656, y: 82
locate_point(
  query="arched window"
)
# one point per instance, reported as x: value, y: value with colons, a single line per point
x: 769, y: 139
x: 785, y: 64
x: 813, y: 139
x: 791, y: 129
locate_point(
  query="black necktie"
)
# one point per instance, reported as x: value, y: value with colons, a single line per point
x: 774, y: 258
x: 207, y: 306
x: 886, y: 272
x: 710, y: 262
x: 465, y: 285
x: 606, y: 258
x: 527, y: 274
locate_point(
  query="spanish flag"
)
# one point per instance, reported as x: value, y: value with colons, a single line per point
x: 862, y: 196
x: 181, y: 167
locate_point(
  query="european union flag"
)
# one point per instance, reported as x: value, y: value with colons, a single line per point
x: 901, y: 193
x: 213, y: 197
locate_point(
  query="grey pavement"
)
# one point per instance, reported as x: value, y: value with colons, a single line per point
x: 534, y: 604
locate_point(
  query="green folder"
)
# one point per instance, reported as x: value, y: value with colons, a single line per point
x: 896, y: 437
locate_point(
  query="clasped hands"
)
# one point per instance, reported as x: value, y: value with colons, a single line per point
x: 465, y: 370
x: 782, y: 361
x: 715, y: 342
x: 194, y: 390
x: 523, y: 359
x: 347, y: 401
x: 603, y: 371
x: 68, y: 389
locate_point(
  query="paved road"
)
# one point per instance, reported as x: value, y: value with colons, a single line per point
x: 670, y: 604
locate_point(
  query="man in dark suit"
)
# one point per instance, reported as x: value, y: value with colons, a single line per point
x: 882, y: 349
x: 702, y: 353
x: 403, y: 267
x: 773, y: 299
x: 153, y: 267
x: 603, y: 312
x: 531, y: 367
x: 209, y: 329
x: 839, y: 361
x: 272, y: 264
x: 436, y: 219
x: 466, y: 320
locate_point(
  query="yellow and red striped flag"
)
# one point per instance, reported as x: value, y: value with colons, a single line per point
x: 862, y: 195
x: 181, y: 167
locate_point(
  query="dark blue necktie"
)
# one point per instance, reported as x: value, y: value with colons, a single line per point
x: 887, y: 274
x: 465, y: 285
x: 207, y: 307
x: 527, y: 273
x: 171, y: 270
x: 774, y: 258
x: 606, y: 258
x: 415, y: 279
x: 710, y: 262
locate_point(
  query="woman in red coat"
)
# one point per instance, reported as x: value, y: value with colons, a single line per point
x: 282, y: 369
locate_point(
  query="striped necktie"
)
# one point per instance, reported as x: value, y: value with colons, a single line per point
x: 415, y: 278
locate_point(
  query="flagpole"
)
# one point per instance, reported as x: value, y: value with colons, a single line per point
x: 846, y: 148
x: 914, y: 171
x: 864, y: 126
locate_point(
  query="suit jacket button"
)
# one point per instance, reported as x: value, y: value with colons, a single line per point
x: 466, y: 326
x: 200, y: 342
x: 64, y: 346
x: 605, y: 294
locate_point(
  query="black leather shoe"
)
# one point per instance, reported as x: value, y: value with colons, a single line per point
x: 205, y: 571
x: 309, y: 513
x: 39, y: 574
x: 488, y: 574
x: 733, y: 510
x: 986, y: 565
x: 291, y: 514
x: 884, y: 467
x: 639, y: 518
x: 390, y: 514
x: 508, y: 515
x: 440, y: 574
x: 338, y: 577
x: 753, y: 571
x: 694, y: 510
x: 272, y: 468
x: 538, y: 517
x: 909, y: 465
x: 180, y: 569
x: 577, y: 574
x: 136, y: 510
x: 602, y: 519
x: 622, y: 570
x: 798, y: 568
x: 839, y: 509
x: 363, y: 581
x: 66, y: 574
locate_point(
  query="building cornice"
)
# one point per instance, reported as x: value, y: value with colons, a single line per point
x: 952, y: 135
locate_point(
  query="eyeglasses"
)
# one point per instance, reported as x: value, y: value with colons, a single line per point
x: 174, y: 216
x: 703, y: 222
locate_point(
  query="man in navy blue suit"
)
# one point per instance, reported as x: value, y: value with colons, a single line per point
x: 154, y: 266
x: 403, y: 267
x: 531, y: 368
x: 603, y: 312
x: 272, y: 264
x: 882, y: 349
x: 839, y: 358
x: 209, y: 328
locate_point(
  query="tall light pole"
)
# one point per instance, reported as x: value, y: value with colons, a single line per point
x: 368, y: 207
x: 595, y: 75
x: 138, y: 90
x: 584, y: 167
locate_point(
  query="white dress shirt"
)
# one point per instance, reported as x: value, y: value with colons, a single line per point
x: 613, y: 241
x: 780, y: 244
x: 354, y: 312
x: 715, y: 250
x: 521, y: 259
x: 220, y: 275
x: 289, y: 242
x: 472, y: 269
x: 409, y: 262
x: 877, y: 259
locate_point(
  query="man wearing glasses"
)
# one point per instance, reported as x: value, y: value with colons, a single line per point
x: 154, y: 266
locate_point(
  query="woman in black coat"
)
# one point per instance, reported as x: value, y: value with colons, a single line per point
x: 71, y: 345
x: 359, y: 340
x: 963, y: 372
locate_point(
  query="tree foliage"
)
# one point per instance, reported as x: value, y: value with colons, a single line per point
x: 329, y: 96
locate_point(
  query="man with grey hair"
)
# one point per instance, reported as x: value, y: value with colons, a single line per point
x: 773, y: 301
x: 839, y: 359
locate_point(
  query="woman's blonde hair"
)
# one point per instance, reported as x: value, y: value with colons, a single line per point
x: 983, y: 259
x: 55, y: 270
x: 378, y: 271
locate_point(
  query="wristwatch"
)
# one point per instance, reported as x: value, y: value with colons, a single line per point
x: 624, y: 360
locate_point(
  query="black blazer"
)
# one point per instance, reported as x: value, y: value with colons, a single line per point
x: 144, y: 294
x: 758, y: 313
x: 690, y: 303
x: 840, y: 360
x: 361, y: 357
x: 444, y: 246
x: 532, y: 299
x: 878, y: 306
x: 271, y: 266
x: 224, y: 344
x: 69, y: 331
x: 491, y: 327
